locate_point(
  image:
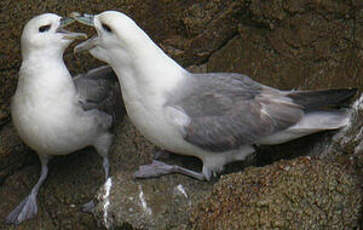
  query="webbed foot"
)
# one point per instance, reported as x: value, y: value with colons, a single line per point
x: 88, y: 207
x: 27, y: 209
x: 158, y: 169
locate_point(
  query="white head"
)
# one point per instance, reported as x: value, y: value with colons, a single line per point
x: 116, y: 34
x: 136, y: 59
x: 45, y: 33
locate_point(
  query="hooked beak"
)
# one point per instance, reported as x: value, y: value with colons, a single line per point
x: 86, y: 19
x: 86, y: 45
x: 68, y: 34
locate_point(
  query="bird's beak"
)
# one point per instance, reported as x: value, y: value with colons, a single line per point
x: 68, y: 34
x: 86, y: 19
x: 86, y: 45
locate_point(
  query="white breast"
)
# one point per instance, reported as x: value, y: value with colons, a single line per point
x: 47, y: 118
x: 154, y: 122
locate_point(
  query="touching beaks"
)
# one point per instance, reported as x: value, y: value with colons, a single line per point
x: 68, y: 34
x: 86, y: 19
x: 86, y: 45
x: 66, y: 21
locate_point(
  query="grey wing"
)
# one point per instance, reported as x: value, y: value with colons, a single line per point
x: 99, y: 89
x: 226, y: 111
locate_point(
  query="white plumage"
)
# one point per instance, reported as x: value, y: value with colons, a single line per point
x: 47, y: 108
x: 217, y: 117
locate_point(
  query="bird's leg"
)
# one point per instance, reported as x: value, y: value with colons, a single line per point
x: 89, y: 206
x: 28, y: 208
x: 106, y: 167
x: 158, y: 168
x: 102, y: 148
x: 208, y: 173
x: 161, y: 154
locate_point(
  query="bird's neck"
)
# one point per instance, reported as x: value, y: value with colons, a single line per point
x: 45, y: 74
x: 41, y: 54
x: 147, y: 72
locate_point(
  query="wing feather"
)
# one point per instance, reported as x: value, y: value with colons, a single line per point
x: 99, y: 89
x: 227, y: 111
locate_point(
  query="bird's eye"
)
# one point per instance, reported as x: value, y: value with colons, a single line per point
x: 106, y: 27
x: 45, y: 28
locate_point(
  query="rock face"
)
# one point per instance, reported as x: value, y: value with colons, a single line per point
x: 303, y: 193
x: 307, y: 192
x: 284, y: 44
x: 145, y: 204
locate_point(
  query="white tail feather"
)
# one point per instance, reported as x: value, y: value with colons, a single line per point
x: 311, y: 123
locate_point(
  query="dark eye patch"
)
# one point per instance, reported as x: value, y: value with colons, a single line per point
x: 107, y: 28
x: 45, y: 28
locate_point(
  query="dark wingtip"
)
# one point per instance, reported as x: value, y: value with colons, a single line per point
x: 323, y: 98
x: 348, y: 93
x: 354, y: 90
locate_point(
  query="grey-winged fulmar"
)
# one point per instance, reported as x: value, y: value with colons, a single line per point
x: 216, y: 117
x: 52, y: 112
